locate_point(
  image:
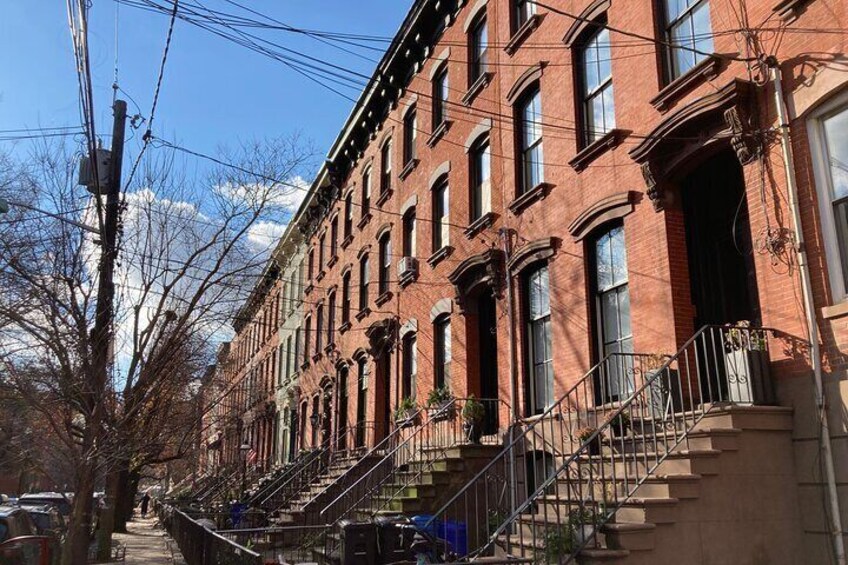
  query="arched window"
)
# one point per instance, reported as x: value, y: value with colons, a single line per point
x: 612, y: 308
x: 348, y: 215
x: 364, y: 277
x: 688, y: 29
x: 478, y: 47
x: 441, y: 233
x: 409, y: 386
x: 361, y: 399
x: 385, y: 267
x: 409, y: 233
x: 346, y: 298
x: 319, y: 329
x: 442, y: 350
x: 331, y: 318
x: 440, y: 97
x: 538, y: 338
x: 598, y: 108
x: 410, y: 134
x: 366, y: 192
x: 529, y: 128
x: 480, y: 172
x: 386, y: 167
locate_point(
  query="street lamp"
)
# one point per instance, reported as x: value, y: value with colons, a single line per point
x: 244, y: 448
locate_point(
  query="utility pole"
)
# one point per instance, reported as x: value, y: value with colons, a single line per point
x: 101, y: 334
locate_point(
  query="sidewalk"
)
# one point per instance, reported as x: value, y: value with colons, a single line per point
x: 145, y: 544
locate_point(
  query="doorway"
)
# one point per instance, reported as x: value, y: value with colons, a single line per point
x: 382, y: 394
x: 487, y: 339
x: 722, y: 275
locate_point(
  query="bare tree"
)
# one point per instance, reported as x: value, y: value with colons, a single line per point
x: 190, y: 250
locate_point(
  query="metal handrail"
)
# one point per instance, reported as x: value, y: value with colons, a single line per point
x: 283, y: 475
x: 309, y: 471
x: 583, y: 509
x: 509, y: 449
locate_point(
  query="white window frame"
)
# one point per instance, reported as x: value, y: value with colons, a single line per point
x: 824, y: 190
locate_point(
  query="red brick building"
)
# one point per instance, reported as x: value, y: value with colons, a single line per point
x: 524, y: 188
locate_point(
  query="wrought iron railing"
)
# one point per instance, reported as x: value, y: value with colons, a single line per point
x: 228, y: 478
x: 315, y: 463
x: 289, y: 544
x: 201, y: 546
x: 552, y: 507
x: 278, y: 478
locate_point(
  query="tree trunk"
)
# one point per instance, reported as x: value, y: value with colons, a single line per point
x: 125, y: 503
x: 107, y: 512
x: 75, y: 550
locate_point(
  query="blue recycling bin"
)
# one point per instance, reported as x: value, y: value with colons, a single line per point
x: 456, y: 536
x: 421, y: 523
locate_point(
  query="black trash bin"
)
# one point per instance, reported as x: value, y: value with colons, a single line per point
x: 359, y: 543
x: 393, y: 542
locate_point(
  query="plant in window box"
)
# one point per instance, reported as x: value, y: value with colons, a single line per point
x: 584, y: 434
x: 746, y: 365
x: 406, y: 413
x: 440, y: 405
x: 619, y: 424
x: 472, y: 414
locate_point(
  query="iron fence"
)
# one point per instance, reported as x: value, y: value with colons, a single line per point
x: 201, y: 546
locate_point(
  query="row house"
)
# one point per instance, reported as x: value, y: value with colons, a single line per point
x: 526, y: 188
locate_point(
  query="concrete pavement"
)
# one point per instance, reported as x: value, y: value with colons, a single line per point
x: 145, y: 542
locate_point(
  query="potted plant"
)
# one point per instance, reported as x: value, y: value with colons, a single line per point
x: 559, y: 543
x: 619, y: 424
x: 473, y: 413
x: 746, y: 364
x: 440, y: 404
x: 583, y: 522
x: 406, y: 413
x: 583, y: 434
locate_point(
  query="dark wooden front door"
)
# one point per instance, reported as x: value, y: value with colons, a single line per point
x: 488, y: 347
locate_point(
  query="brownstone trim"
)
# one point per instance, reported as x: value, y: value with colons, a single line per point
x: 476, y: 88
x: 609, y: 208
x: 440, y: 308
x: 346, y: 241
x: 528, y: 78
x: 522, y: 33
x: 707, y: 69
x: 538, y: 192
x: 383, y: 298
x: 789, y: 10
x: 537, y: 250
x: 362, y: 314
x: 605, y: 143
x: 586, y: 22
x: 363, y: 250
x: 384, y: 197
x: 383, y: 229
x: 344, y: 327
x: 410, y: 326
x: 440, y: 171
x: 363, y: 221
x: 439, y: 255
x: 481, y: 223
x: 408, y: 168
x: 474, y: 14
x: 481, y: 129
x: 410, y: 203
x: 439, y: 133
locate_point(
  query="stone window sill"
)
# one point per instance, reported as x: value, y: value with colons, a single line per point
x: 408, y: 168
x: 344, y: 327
x: 407, y: 280
x: 673, y: 91
x: 308, y: 288
x: 835, y: 311
x: 384, y: 197
x: 364, y: 221
x: 522, y: 33
x: 316, y: 357
x: 438, y: 133
x: 476, y: 88
x: 440, y: 255
x: 538, y: 192
x: 362, y: 314
x: 481, y: 223
x: 347, y: 241
x: 789, y: 10
x: 329, y: 349
x: 304, y: 365
x: 333, y: 260
x: 597, y: 148
x: 383, y: 298
x: 320, y: 276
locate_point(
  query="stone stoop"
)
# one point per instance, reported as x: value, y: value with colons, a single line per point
x: 729, y: 496
x: 305, y: 508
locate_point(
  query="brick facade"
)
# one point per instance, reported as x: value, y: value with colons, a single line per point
x: 671, y: 139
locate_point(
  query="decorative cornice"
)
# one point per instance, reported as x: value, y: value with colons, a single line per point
x: 606, y: 209
x: 586, y: 22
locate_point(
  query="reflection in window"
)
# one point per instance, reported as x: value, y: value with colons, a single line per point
x: 481, y: 190
x: 598, y: 106
x: 688, y: 28
x: 479, y: 41
x: 443, y: 355
x: 410, y: 366
x: 835, y: 128
x: 539, y: 348
x: 612, y: 301
x: 441, y: 232
x: 530, y: 131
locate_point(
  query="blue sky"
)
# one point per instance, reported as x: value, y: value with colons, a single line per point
x: 214, y: 92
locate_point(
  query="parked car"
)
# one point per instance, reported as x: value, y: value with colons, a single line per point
x: 19, y: 542
x: 15, y: 522
x: 50, y: 523
x: 56, y: 499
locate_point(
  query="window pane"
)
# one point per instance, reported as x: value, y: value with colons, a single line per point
x: 619, y: 255
x: 609, y: 108
x: 836, y: 135
x: 624, y: 311
x: 532, y: 120
x: 604, y: 59
x: 673, y: 8
x: 590, y: 66
x: 840, y: 212
x: 603, y: 262
x: 703, y: 39
x: 609, y: 315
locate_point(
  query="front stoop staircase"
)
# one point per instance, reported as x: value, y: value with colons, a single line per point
x: 305, y: 506
x: 684, y: 463
x: 729, y: 497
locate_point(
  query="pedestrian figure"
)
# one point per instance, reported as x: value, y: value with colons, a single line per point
x: 145, y: 501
